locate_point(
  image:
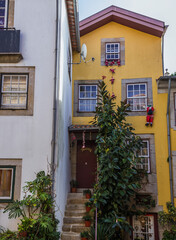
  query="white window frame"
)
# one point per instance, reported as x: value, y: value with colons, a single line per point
x: 87, y: 98
x: 14, y: 106
x: 141, y: 156
x: 137, y: 97
x: 6, y: 15
x: 12, y: 182
x: 115, y: 53
x: 150, y: 226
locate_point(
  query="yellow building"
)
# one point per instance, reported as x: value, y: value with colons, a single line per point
x: 133, y: 45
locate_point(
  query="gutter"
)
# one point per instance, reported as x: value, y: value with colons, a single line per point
x: 169, y: 142
x: 77, y: 25
x: 56, y: 92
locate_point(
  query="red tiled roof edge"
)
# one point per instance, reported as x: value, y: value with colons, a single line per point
x: 125, y: 17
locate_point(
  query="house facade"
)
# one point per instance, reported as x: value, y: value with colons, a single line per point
x: 35, y: 106
x: 128, y: 51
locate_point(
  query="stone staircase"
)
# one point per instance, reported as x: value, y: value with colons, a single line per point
x: 73, y: 222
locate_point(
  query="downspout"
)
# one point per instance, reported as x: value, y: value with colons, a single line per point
x: 77, y: 25
x: 55, y: 93
x: 169, y: 142
x: 165, y: 29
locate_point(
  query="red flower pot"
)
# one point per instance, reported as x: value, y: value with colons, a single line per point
x: 88, y: 195
x: 88, y: 209
x: 87, y: 223
x: 22, y: 234
x: 83, y: 238
x: 73, y: 190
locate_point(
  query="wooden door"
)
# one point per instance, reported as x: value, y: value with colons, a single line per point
x: 86, y: 165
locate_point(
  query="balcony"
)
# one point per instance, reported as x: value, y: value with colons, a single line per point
x: 10, y: 46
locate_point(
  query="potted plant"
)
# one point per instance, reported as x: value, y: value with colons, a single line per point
x: 88, y: 206
x: 73, y: 186
x: 87, y: 219
x: 87, y: 193
x: 84, y: 235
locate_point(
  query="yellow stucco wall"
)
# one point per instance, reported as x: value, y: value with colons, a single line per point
x: 143, y: 59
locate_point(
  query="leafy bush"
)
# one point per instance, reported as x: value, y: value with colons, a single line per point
x: 36, y: 210
x: 168, y: 222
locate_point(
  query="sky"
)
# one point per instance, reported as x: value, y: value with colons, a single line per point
x: 164, y: 10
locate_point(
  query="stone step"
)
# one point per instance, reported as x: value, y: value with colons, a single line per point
x: 75, y: 195
x: 74, y: 228
x: 75, y: 207
x: 75, y: 213
x: 77, y: 201
x: 73, y: 220
x: 70, y: 236
x: 80, y: 190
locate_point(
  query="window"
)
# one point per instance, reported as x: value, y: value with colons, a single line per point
x: 7, y: 181
x: 112, y: 51
x: 143, y: 227
x: 87, y: 98
x: 14, y: 91
x: 137, y: 96
x: 3, y: 13
x: 144, y: 157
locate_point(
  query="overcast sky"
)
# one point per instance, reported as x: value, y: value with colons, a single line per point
x: 164, y: 10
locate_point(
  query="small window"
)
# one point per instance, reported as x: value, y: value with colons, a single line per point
x: 144, y: 155
x: 143, y: 227
x: 14, y: 91
x: 7, y: 181
x: 112, y: 51
x: 137, y: 97
x: 87, y: 98
x: 3, y: 13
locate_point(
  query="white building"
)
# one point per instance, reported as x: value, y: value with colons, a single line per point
x: 35, y: 97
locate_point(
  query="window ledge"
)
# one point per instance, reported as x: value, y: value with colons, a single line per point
x: 10, y: 57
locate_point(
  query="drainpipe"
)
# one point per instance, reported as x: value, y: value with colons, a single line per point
x: 56, y: 92
x: 165, y: 29
x: 77, y: 25
x: 169, y: 142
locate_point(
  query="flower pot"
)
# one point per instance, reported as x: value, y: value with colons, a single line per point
x: 88, y: 209
x: 22, y: 234
x: 88, y: 195
x: 83, y: 238
x: 73, y: 190
x: 87, y: 223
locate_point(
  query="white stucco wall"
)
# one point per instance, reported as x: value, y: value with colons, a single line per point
x: 29, y: 137
x: 64, y: 118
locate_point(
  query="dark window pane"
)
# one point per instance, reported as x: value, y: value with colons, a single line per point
x: 2, y: 3
x: 2, y: 12
x: 136, y: 87
x: 130, y: 87
x: 1, y: 21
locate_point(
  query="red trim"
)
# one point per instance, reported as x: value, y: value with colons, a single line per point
x: 122, y: 16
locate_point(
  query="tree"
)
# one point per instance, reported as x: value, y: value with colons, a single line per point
x: 117, y: 147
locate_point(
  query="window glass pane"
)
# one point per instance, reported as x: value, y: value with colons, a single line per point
x: 14, y: 99
x: 6, y: 83
x: 23, y: 83
x: 5, y: 182
x: 116, y: 48
x: 2, y: 21
x: 108, y: 48
x: 22, y: 100
x: 142, y: 86
x: 87, y: 94
x: 82, y: 88
x: 14, y: 83
x: 2, y: 12
x: 108, y: 56
x: 130, y: 94
x: 136, y: 87
x: 82, y: 94
x: 2, y: 3
x: 94, y: 88
x: 88, y: 88
x: 5, y: 100
x: 112, y: 48
x: 116, y: 56
x: 130, y: 87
